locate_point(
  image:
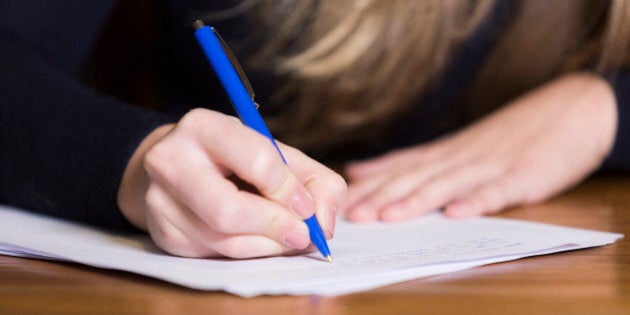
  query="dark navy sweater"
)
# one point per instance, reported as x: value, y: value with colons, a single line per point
x: 64, y: 144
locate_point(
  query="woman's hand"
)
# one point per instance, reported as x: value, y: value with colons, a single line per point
x: 210, y: 186
x: 535, y: 147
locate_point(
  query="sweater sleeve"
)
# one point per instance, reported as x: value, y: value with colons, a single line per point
x: 63, y: 146
x: 619, y: 158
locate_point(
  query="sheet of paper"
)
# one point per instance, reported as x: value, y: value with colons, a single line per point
x: 365, y: 256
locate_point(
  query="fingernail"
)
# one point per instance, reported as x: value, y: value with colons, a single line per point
x: 302, y: 205
x: 297, y: 239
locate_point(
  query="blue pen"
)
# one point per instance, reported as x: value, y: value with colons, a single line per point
x: 236, y: 85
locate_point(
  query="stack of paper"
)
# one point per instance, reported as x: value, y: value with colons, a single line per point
x: 365, y: 256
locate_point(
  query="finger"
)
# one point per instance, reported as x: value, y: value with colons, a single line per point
x: 218, y: 202
x: 356, y: 207
x: 250, y: 246
x: 327, y: 187
x: 218, y: 243
x: 358, y: 170
x: 387, y: 193
x: 164, y: 232
x: 250, y: 155
x: 390, y: 189
x: 489, y: 198
x: 175, y: 241
x: 439, y: 190
x: 358, y: 201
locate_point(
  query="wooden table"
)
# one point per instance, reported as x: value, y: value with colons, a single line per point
x: 591, y: 281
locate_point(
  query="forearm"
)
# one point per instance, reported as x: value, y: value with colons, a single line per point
x: 64, y: 147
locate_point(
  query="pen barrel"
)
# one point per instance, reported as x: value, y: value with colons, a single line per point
x: 246, y: 109
x: 229, y: 78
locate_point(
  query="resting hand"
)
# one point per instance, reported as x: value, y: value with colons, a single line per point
x: 184, y: 184
x: 536, y: 146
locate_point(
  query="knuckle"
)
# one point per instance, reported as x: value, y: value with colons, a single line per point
x: 264, y: 169
x: 201, y: 119
x: 384, y: 196
x: 153, y: 199
x: 428, y: 194
x: 195, y: 119
x: 158, y: 157
x: 224, y: 218
x: 338, y: 185
x: 280, y: 222
x: 263, y: 161
x: 175, y: 243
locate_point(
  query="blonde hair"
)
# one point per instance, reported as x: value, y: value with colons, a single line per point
x: 355, y: 66
x: 546, y: 39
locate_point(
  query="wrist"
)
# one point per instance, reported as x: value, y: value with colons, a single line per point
x: 601, y: 106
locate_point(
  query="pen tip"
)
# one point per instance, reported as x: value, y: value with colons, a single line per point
x: 329, y: 258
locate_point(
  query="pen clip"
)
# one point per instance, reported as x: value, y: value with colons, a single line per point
x: 237, y: 66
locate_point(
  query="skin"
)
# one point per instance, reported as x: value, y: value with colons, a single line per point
x: 209, y: 186
x: 534, y: 147
x: 189, y: 194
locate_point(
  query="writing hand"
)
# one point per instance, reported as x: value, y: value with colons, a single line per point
x: 533, y: 148
x: 180, y: 186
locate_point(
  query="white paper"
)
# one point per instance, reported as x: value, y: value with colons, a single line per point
x: 365, y: 255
